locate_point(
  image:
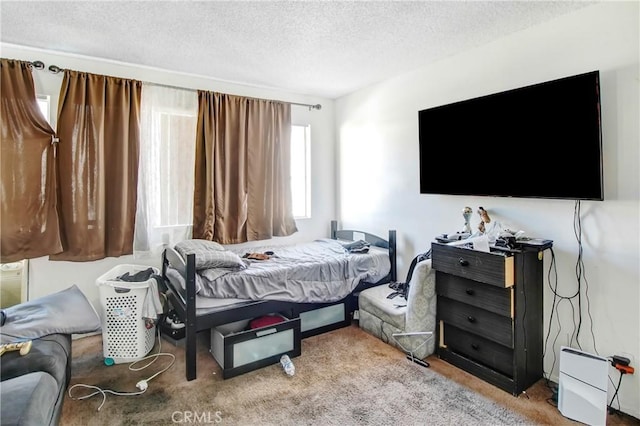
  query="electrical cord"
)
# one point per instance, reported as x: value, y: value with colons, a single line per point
x: 582, y: 277
x: 558, y: 298
x: 552, y: 267
x: 142, y: 385
x: 610, y: 406
x: 577, y: 230
x: 100, y: 391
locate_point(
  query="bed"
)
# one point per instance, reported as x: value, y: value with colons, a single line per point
x: 210, y: 303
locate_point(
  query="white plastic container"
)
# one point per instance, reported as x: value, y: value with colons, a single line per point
x: 125, y: 337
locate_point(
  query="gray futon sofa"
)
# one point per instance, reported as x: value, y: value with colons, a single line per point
x: 33, y: 385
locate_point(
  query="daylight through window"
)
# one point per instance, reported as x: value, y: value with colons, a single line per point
x: 300, y: 171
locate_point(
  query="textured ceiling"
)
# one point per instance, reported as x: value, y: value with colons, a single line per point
x: 320, y: 48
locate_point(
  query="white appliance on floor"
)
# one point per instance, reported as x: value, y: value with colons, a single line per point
x: 582, y: 391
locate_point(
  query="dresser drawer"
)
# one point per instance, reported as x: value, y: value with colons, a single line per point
x: 469, y: 345
x: 495, y: 268
x: 477, y: 321
x: 491, y: 298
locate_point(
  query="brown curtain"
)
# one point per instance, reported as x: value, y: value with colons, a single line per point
x: 30, y: 226
x: 99, y: 130
x: 242, y: 187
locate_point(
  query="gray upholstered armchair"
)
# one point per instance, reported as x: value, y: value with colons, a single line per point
x: 409, y: 320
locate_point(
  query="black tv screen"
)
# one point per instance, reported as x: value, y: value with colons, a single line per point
x: 539, y: 141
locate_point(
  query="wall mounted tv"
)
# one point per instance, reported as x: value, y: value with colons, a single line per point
x: 538, y: 141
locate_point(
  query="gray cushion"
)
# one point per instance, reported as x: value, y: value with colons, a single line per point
x: 29, y: 400
x: 374, y: 301
x: 66, y: 312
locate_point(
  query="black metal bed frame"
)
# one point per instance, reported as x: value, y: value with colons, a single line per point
x: 195, y: 322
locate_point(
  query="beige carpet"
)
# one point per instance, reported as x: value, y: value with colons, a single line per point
x: 345, y: 377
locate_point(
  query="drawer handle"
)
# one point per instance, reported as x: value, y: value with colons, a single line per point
x: 463, y: 262
x: 475, y: 346
x: 470, y: 292
x: 266, y: 332
x: 471, y: 319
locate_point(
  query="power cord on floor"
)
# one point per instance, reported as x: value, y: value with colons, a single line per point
x: 142, y: 385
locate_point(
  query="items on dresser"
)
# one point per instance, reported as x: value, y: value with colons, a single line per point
x: 490, y: 313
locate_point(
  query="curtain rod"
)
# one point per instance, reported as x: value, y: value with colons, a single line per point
x: 54, y: 69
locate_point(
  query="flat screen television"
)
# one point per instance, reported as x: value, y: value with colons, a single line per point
x: 538, y: 141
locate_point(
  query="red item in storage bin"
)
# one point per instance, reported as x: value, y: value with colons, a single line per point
x: 265, y: 321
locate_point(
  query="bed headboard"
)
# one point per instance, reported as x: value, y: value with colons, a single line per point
x: 173, y: 258
x: 374, y: 240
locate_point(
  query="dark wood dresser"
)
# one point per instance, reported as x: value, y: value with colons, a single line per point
x: 490, y: 313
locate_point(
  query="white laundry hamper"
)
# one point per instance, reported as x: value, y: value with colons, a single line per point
x: 125, y: 337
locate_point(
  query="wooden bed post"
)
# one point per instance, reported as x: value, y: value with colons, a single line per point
x: 191, y: 317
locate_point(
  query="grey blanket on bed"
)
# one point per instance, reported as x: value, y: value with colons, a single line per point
x: 319, y: 271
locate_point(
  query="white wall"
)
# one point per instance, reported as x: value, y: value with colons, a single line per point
x: 46, y: 276
x: 377, y: 131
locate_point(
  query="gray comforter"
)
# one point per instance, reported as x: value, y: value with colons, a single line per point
x: 319, y: 271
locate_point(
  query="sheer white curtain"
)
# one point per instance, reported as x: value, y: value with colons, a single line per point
x: 164, y: 215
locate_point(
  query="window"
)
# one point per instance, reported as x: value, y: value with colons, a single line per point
x: 14, y: 277
x: 43, y: 104
x: 168, y: 120
x: 172, y: 170
x: 300, y: 171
